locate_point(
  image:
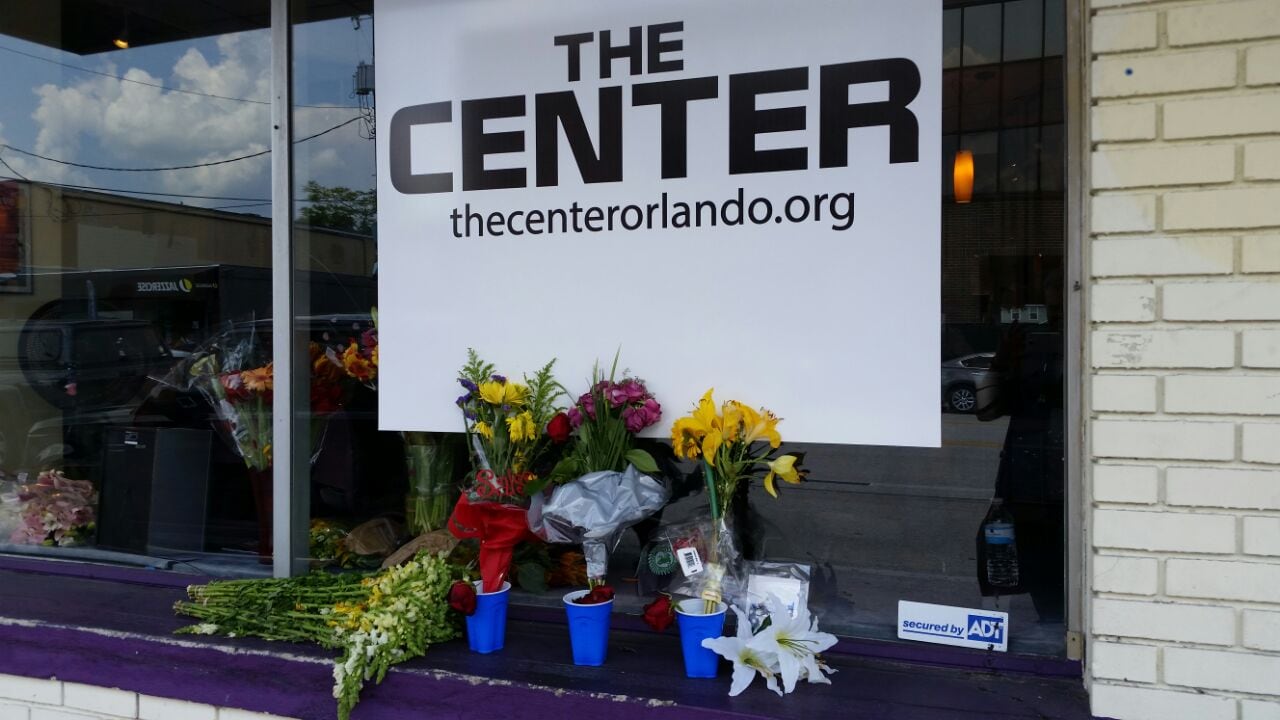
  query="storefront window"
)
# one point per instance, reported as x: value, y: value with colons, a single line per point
x: 874, y: 524
x: 135, y: 238
x: 135, y: 325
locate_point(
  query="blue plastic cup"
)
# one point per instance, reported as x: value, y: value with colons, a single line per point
x: 588, y: 629
x: 695, y: 626
x: 487, y: 626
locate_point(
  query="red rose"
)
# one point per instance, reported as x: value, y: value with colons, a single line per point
x: 559, y: 428
x: 660, y: 613
x: 462, y: 597
x: 598, y: 594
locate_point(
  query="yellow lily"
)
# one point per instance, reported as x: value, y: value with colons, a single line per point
x: 762, y: 425
x: 783, y: 467
x: 686, y: 438
x: 732, y: 419
x: 492, y: 392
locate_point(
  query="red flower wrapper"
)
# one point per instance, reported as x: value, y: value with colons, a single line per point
x: 499, y: 528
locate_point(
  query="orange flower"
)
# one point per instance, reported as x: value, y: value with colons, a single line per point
x: 258, y: 379
x: 357, y: 365
x: 324, y: 371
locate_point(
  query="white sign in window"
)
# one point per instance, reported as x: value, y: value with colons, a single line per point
x: 738, y: 194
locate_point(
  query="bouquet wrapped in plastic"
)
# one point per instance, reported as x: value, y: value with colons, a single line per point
x: 54, y: 510
x: 600, y: 487
x: 593, y: 510
x: 508, y: 429
x: 235, y: 375
x: 695, y: 558
x: 735, y: 443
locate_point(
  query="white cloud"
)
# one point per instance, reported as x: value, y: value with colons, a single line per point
x: 107, y: 121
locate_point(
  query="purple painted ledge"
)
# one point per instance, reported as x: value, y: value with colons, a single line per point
x: 116, y: 631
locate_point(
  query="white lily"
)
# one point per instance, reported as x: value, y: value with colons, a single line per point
x: 748, y: 660
x: 795, y: 642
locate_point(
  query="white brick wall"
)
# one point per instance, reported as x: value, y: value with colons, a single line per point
x: 24, y: 698
x: 1183, y: 348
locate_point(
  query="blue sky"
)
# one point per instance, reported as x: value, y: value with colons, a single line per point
x: 82, y: 117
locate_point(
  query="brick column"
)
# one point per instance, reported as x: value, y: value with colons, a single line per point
x: 1183, y: 387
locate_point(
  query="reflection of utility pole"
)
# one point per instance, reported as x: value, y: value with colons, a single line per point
x: 362, y: 81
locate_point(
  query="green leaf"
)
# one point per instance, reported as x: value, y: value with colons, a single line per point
x: 531, y: 577
x: 643, y: 461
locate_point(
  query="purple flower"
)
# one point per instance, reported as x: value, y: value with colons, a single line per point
x: 470, y: 386
x: 634, y: 390
x: 462, y: 400
x: 634, y: 419
x: 498, y: 378
x: 369, y: 338
x: 575, y: 417
x: 616, y: 395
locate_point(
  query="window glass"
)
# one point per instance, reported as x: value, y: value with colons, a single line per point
x: 1019, y: 160
x: 1022, y: 29
x: 1055, y: 28
x: 874, y: 525
x: 134, y: 240
x: 980, y: 98
x: 982, y: 34
x: 951, y: 34
x: 1023, y: 88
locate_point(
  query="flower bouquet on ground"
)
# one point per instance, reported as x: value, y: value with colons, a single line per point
x: 603, y: 484
x: 376, y: 621
x: 785, y: 645
x: 735, y: 443
x: 506, y: 429
x: 55, y: 510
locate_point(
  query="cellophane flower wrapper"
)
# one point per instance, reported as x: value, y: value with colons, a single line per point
x: 670, y: 562
x: 234, y: 373
x: 594, y: 509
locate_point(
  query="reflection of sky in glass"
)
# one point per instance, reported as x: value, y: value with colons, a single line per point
x: 951, y: 38
x: 107, y: 120
x: 1022, y: 29
x: 982, y: 34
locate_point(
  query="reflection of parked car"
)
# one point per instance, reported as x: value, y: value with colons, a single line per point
x: 968, y: 383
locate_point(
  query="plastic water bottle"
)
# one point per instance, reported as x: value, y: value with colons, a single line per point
x: 1002, y: 548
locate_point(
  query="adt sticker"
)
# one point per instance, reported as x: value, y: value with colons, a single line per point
x: 986, y: 628
x: 947, y: 625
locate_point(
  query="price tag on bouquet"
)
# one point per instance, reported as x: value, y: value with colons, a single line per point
x: 690, y: 563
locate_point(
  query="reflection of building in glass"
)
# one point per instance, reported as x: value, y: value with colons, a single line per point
x: 1002, y: 102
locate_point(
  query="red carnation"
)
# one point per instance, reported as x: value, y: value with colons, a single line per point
x: 559, y: 428
x: 660, y: 613
x: 462, y: 597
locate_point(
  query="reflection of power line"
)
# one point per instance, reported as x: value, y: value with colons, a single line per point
x: 175, y: 167
x: 166, y: 87
x: 63, y: 216
x: 66, y: 186
x: 15, y: 172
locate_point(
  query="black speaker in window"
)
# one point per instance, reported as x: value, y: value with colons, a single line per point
x: 155, y: 490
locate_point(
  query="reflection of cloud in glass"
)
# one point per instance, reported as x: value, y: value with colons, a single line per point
x: 134, y: 114
x: 112, y: 121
